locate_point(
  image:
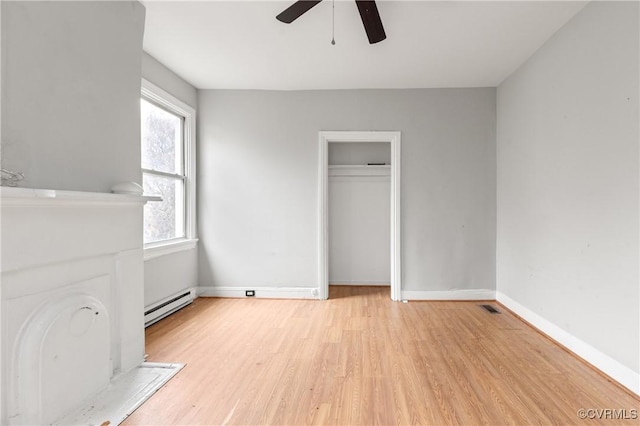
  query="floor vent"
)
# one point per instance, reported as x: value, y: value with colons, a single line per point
x: 156, y: 312
x: 491, y: 309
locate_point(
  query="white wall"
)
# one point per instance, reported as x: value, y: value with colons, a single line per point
x: 350, y: 153
x: 163, y: 77
x: 170, y: 273
x: 70, y: 85
x: 567, y: 236
x: 258, y: 183
x: 359, y: 229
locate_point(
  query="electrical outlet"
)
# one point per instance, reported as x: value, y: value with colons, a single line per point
x: 250, y: 293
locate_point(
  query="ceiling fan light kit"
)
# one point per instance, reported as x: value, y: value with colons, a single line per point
x: 368, y: 13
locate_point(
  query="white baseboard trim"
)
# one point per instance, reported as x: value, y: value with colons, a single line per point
x: 462, y: 294
x: 614, y: 369
x: 261, y: 292
x: 361, y: 283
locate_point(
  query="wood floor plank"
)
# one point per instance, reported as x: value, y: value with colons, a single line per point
x: 361, y: 359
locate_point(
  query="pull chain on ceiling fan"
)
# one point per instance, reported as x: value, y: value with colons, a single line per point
x: 368, y: 13
x: 333, y: 22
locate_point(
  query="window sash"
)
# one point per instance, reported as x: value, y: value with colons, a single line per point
x: 180, y: 149
x: 180, y: 207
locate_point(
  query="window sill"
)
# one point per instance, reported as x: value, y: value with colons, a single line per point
x: 153, y: 250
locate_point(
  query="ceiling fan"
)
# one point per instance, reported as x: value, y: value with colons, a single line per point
x: 368, y: 12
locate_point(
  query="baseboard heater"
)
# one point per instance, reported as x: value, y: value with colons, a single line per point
x: 157, y: 311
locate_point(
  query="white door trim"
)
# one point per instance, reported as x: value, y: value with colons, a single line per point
x: 393, y: 138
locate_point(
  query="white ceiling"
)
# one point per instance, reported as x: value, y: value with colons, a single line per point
x: 240, y: 44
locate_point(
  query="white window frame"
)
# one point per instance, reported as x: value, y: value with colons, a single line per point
x: 155, y: 94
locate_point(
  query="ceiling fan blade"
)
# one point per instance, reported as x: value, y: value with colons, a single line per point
x: 296, y: 10
x: 371, y: 20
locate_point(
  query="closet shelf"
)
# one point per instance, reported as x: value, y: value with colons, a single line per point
x: 346, y: 166
x: 359, y: 170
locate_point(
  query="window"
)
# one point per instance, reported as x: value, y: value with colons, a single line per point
x: 168, y: 170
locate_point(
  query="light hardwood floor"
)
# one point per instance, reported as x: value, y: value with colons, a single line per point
x: 360, y: 359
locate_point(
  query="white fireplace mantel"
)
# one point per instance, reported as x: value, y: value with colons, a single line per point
x: 72, y: 298
x: 33, y: 195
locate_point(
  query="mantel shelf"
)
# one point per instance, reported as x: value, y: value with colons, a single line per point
x: 12, y: 195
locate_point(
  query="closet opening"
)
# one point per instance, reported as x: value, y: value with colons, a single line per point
x: 359, y: 210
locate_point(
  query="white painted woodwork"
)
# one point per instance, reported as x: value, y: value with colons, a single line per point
x: 393, y: 138
x: 260, y: 292
x: 163, y: 248
x: 128, y: 392
x: 454, y: 294
x: 169, y: 102
x: 72, y: 299
x: 624, y: 375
